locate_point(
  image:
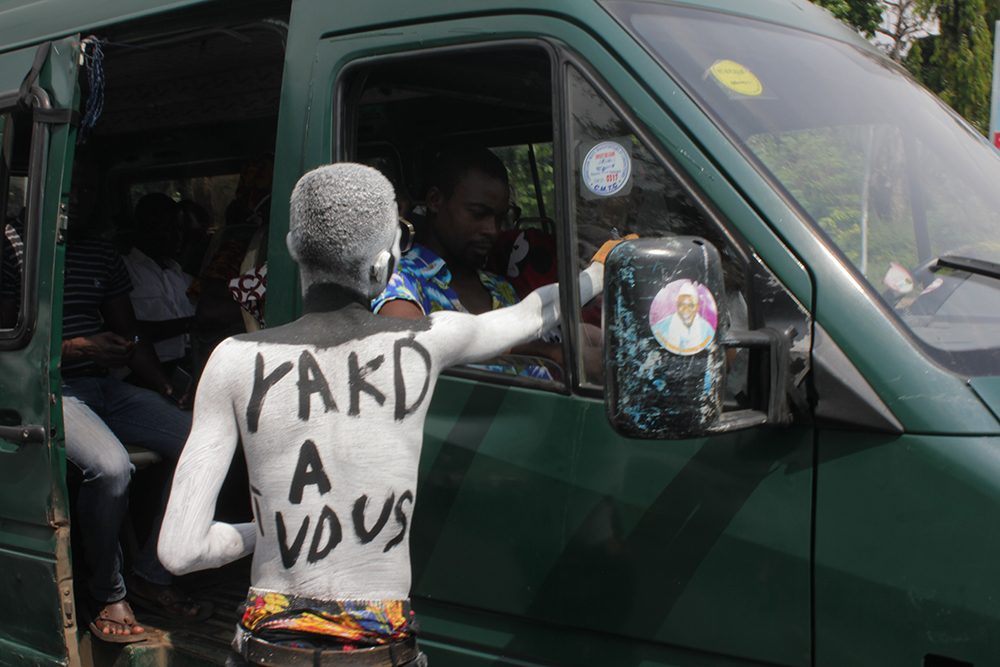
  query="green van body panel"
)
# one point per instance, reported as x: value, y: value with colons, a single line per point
x: 541, y: 536
x: 988, y: 389
x: 907, y: 530
x: 34, y: 513
x: 520, y: 516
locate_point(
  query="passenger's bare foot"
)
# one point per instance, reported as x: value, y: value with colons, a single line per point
x: 116, y: 623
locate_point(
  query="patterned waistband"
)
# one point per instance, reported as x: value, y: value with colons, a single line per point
x: 356, y: 623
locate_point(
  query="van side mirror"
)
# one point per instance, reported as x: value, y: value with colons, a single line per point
x: 666, y: 331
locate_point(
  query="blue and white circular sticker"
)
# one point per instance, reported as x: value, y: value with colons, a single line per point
x: 606, y: 169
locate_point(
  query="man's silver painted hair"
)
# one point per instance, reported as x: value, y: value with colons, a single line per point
x: 342, y: 217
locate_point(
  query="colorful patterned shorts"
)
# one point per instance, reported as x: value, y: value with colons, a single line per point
x: 352, y: 623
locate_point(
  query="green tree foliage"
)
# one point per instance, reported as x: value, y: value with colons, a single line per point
x: 864, y: 15
x: 522, y: 182
x: 851, y: 181
x: 904, y: 21
x: 957, y: 64
x: 822, y: 170
x: 992, y: 13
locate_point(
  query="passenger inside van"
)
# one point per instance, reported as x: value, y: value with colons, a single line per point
x: 197, y: 222
x: 101, y: 414
x: 165, y: 313
x: 218, y: 314
x: 468, y: 201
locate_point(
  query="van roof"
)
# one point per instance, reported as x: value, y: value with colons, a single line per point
x: 27, y: 22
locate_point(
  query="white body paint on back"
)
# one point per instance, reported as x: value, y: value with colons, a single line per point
x: 362, y: 448
x: 359, y: 452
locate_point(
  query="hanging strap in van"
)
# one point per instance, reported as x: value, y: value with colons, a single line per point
x: 54, y: 116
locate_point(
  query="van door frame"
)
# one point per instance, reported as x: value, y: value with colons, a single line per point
x: 35, y: 521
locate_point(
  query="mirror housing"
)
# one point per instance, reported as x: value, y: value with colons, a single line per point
x: 666, y: 330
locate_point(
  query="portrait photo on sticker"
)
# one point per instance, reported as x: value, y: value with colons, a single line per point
x: 606, y: 168
x: 683, y: 317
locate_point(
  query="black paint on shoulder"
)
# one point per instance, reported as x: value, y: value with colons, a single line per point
x: 260, y: 519
x: 333, y: 316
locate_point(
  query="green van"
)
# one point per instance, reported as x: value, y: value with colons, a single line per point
x: 844, y: 507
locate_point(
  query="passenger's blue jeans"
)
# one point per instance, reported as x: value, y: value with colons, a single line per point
x: 99, y: 415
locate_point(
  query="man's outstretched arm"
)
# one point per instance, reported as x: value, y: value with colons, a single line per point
x: 190, y: 539
x: 478, y: 337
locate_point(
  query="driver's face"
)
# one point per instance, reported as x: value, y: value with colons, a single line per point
x: 687, y: 308
x: 467, y: 223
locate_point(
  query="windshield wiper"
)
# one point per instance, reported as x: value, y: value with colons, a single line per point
x: 977, y: 266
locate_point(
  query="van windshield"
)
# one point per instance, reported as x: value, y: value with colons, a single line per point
x: 891, y: 176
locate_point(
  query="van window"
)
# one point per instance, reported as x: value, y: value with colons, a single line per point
x: 532, y: 179
x: 17, y: 196
x: 634, y: 195
x: 213, y: 193
x: 891, y: 177
x: 15, y: 148
x: 410, y: 109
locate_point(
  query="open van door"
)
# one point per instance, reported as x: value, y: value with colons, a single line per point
x: 38, y: 624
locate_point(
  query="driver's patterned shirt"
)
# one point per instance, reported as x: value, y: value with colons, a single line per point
x: 422, y: 278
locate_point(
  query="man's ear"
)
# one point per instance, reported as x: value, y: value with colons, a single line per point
x: 435, y: 199
x: 378, y: 275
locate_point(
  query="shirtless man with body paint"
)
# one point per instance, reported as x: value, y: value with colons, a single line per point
x: 330, y: 409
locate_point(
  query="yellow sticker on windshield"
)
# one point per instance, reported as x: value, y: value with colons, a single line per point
x: 737, y: 78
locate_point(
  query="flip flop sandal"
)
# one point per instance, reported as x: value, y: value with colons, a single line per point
x: 120, y: 614
x: 166, y: 602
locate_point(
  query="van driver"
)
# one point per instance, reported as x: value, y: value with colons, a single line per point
x: 468, y: 198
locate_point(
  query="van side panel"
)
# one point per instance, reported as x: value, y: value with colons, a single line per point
x: 534, y: 521
x: 907, y: 533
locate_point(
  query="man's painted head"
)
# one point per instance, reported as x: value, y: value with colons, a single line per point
x: 687, y: 303
x: 343, y: 228
x: 468, y: 197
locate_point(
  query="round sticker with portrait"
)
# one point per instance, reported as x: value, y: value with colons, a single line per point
x: 684, y: 317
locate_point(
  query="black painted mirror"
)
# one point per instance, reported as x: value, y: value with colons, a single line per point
x: 666, y: 332
x: 664, y: 366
